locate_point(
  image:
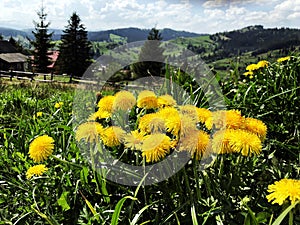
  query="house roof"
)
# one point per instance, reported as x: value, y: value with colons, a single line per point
x: 13, y: 57
x: 53, y: 57
x: 6, y: 47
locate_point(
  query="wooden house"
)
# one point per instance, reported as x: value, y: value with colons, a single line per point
x: 10, y: 58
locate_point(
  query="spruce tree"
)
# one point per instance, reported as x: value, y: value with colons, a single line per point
x: 75, y: 55
x: 151, y: 56
x: 42, y: 43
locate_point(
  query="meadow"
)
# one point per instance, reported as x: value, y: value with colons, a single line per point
x: 251, y: 161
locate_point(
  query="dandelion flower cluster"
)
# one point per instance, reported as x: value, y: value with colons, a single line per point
x: 160, y: 126
x: 252, y: 68
x: 283, y: 190
x: 41, y: 148
x: 37, y: 170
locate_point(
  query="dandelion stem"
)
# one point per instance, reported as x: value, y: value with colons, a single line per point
x: 197, y: 179
x: 291, y: 217
x: 187, y: 184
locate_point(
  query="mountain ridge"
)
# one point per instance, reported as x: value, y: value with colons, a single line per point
x: 131, y: 33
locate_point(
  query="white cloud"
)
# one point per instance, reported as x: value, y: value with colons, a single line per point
x: 226, y: 3
x: 192, y: 15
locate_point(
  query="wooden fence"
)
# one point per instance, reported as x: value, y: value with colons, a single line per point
x: 65, y: 79
x: 22, y: 75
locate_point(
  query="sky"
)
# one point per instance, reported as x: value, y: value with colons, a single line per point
x: 199, y: 16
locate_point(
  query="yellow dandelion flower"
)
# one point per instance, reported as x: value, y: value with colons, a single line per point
x: 283, y: 59
x: 41, y: 148
x: 106, y: 103
x: 113, y: 136
x: 189, y: 110
x: 245, y: 142
x: 252, y: 67
x: 283, y: 190
x: 248, y: 73
x: 256, y: 126
x: 156, y: 147
x: 37, y: 170
x: 205, y: 117
x: 124, y: 100
x: 147, y: 99
x: 100, y: 114
x: 188, y: 125
x: 227, y: 119
x: 234, y: 119
x: 89, y: 131
x: 172, y: 119
x: 219, y: 119
x: 39, y: 114
x: 134, y: 140
x: 196, y: 143
x: 220, y: 142
x: 166, y: 101
x: 58, y: 105
x: 167, y: 112
x: 151, y: 123
x: 262, y: 64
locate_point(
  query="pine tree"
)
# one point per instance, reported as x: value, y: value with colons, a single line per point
x: 75, y: 48
x: 151, y: 56
x: 42, y: 43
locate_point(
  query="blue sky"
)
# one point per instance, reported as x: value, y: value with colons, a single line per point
x: 201, y: 16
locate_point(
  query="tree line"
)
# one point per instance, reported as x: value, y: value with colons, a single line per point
x: 74, y: 48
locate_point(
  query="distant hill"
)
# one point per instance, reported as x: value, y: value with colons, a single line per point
x: 256, y: 39
x: 9, y: 32
x: 251, y: 40
x: 136, y: 34
x: 130, y: 34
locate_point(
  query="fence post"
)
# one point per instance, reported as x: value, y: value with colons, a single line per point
x: 11, y: 75
x: 45, y: 76
x: 70, y: 81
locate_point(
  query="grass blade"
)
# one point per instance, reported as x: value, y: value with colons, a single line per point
x: 116, y: 214
x: 194, y: 217
x: 284, y: 213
